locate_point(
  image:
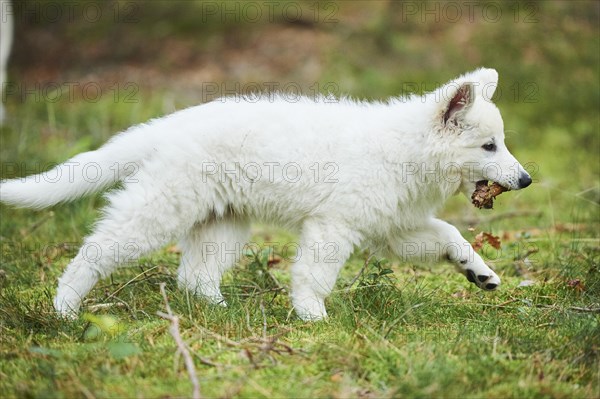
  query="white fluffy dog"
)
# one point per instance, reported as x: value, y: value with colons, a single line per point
x: 343, y: 174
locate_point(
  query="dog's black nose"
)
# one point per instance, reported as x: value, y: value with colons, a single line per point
x: 524, y: 180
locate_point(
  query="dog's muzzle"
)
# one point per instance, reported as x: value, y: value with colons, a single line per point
x: 524, y: 180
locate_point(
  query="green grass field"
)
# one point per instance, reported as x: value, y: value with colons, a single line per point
x: 397, y: 329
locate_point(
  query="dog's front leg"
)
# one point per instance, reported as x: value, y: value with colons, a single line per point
x: 323, y: 252
x: 437, y: 240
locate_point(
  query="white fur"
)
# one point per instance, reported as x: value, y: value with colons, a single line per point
x: 343, y: 174
x: 6, y: 37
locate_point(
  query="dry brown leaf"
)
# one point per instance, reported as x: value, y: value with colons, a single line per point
x: 478, y: 243
x: 484, y: 237
x: 577, y: 285
x: 493, y: 240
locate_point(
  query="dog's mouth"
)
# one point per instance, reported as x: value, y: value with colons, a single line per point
x: 484, y: 194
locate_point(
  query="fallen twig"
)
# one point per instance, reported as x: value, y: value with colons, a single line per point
x: 535, y: 305
x: 255, y: 293
x: 181, y: 346
x: 527, y: 254
x: 573, y: 308
x: 206, y: 361
x: 115, y: 292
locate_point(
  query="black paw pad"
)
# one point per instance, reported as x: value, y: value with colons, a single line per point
x: 490, y: 286
x: 482, y: 278
x: 470, y: 275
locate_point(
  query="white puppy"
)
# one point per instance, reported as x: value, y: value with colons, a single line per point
x: 343, y: 174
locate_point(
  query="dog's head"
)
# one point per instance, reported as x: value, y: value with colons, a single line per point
x: 471, y: 131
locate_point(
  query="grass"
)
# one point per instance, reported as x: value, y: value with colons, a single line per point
x: 420, y: 331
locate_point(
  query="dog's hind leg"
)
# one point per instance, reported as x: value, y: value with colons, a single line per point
x: 134, y: 224
x: 438, y: 240
x: 208, y: 250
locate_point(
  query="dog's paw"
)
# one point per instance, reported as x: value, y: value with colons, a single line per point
x: 310, y: 308
x: 486, y: 280
x: 67, y: 308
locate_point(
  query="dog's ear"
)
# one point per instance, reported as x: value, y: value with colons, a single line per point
x: 488, y: 79
x: 459, y: 102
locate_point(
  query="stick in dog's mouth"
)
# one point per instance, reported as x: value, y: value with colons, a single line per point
x: 484, y: 194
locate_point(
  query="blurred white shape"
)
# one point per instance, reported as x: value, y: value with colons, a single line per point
x: 6, y: 38
x: 526, y: 283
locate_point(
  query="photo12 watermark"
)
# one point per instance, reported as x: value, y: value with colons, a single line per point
x: 270, y: 172
x: 252, y: 92
x: 468, y: 11
x: 317, y: 12
x: 39, y: 11
x: 72, y: 92
x: 71, y: 172
x: 212, y: 252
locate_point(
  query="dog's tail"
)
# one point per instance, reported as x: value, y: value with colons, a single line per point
x: 81, y: 175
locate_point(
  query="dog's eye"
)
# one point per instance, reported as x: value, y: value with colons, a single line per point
x: 489, y: 147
